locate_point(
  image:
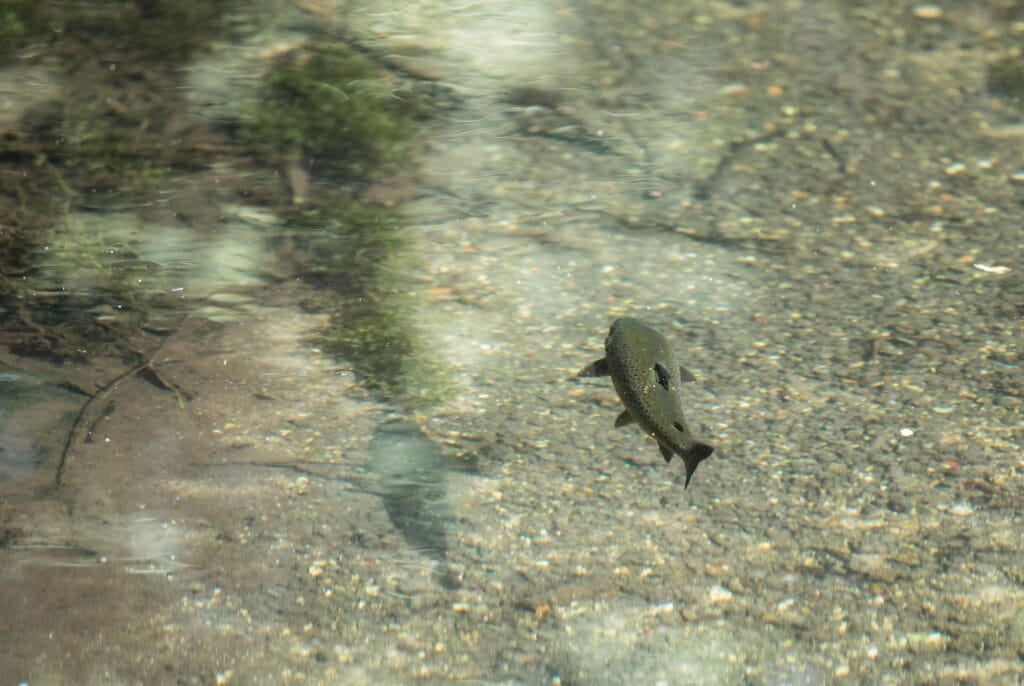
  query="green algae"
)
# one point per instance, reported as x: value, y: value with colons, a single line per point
x: 1006, y: 75
x: 325, y: 108
x: 22, y: 21
x: 327, y: 105
x: 105, y: 137
x: 167, y: 30
x: 360, y: 258
x: 328, y: 109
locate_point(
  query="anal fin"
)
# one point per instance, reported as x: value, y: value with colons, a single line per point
x: 666, y: 452
x: 624, y: 419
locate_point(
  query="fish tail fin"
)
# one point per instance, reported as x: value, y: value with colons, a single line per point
x: 697, y: 453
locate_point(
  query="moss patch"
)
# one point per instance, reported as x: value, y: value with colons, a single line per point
x: 1006, y: 76
x: 328, y: 107
x: 360, y: 259
x: 119, y: 129
x: 22, y: 21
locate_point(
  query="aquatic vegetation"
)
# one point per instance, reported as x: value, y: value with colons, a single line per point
x: 359, y: 256
x: 1006, y: 75
x: 170, y: 29
x: 324, y: 108
x: 327, y: 106
x: 25, y: 20
x: 105, y: 135
x: 386, y: 351
x: 111, y: 154
x: 86, y: 284
x: 327, y: 109
x: 165, y: 29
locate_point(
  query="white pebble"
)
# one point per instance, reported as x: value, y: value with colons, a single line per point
x: 956, y: 168
x: 962, y: 510
x: 928, y: 12
x: 718, y: 595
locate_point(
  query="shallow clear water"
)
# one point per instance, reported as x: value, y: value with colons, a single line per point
x: 295, y: 295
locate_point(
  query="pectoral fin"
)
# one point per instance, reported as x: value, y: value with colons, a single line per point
x: 624, y: 419
x: 685, y: 375
x: 597, y: 368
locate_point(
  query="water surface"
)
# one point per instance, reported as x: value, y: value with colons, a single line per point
x: 294, y: 296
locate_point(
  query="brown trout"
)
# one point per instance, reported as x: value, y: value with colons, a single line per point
x: 647, y: 378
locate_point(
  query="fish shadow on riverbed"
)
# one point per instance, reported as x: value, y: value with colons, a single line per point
x: 411, y: 478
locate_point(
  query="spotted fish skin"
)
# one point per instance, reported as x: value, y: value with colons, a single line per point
x: 648, y: 377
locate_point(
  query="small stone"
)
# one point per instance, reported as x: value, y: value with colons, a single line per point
x: 930, y: 12
x: 719, y: 595
x: 873, y: 566
x: 663, y: 608
x: 962, y: 510
x: 992, y: 269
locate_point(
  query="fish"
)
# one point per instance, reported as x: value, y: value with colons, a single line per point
x: 647, y: 378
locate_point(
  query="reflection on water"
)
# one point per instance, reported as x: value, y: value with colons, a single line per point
x: 293, y: 295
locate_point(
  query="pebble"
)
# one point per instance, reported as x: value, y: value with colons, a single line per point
x: 956, y: 168
x: 662, y: 608
x: 873, y: 566
x: 992, y: 269
x: 930, y: 12
x: 962, y: 510
x: 718, y: 595
x: 785, y: 604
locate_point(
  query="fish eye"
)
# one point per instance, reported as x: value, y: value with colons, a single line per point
x: 662, y: 374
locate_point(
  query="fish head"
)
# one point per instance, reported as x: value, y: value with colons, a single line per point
x: 628, y: 326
